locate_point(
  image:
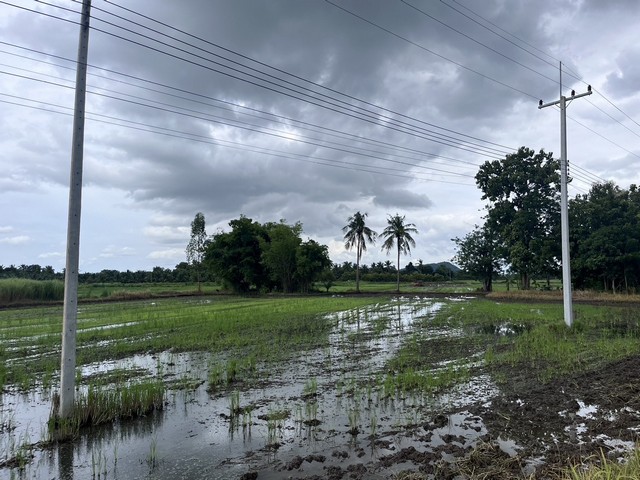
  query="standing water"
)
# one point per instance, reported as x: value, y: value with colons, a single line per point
x: 312, y: 408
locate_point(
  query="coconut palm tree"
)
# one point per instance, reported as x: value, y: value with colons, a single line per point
x: 357, y: 234
x: 398, y: 233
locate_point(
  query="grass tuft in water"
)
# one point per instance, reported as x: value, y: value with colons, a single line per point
x: 104, y: 405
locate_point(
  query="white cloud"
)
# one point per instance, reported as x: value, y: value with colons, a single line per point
x: 17, y: 240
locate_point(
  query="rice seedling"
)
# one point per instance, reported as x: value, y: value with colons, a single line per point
x: 311, y: 413
x: 152, y: 457
x: 103, y: 405
x: 373, y: 424
x: 234, y: 405
x: 98, y: 464
x: 310, y: 388
x: 354, y: 421
x: 18, y: 452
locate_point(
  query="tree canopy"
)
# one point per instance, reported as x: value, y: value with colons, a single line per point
x: 197, y: 246
x: 523, y: 191
x: 398, y: 233
x: 357, y: 234
x: 254, y: 256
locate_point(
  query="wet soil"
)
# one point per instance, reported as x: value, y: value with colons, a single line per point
x: 528, y: 430
x: 499, y: 424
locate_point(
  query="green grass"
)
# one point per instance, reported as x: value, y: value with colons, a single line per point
x: 239, y: 327
x: 18, y: 290
x: 102, y: 291
x: 606, y: 469
x: 455, y: 286
x: 534, y: 338
x: 100, y: 405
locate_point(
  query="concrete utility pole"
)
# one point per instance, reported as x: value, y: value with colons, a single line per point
x: 70, y: 311
x: 564, y: 206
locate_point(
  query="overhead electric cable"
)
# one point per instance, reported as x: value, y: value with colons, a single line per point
x: 365, y: 114
x: 503, y: 37
x: 478, y: 42
x: 109, y: 33
x: 434, y: 53
x: 297, y: 76
x: 356, y: 137
x: 219, y: 142
x: 247, y: 126
x: 567, y: 69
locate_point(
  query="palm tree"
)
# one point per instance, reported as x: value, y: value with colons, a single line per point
x: 357, y: 234
x: 398, y: 233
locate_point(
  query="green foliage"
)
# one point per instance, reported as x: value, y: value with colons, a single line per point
x: 262, y: 257
x: 100, y: 405
x: 478, y: 253
x: 535, y: 339
x: 398, y: 233
x: 605, y: 238
x: 523, y: 191
x: 243, y: 328
x: 357, y: 234
x: 16, y: 290
x: 236, y: 256
x: 312, y: 263
x: 197, y: 245
x: 603, y: 468
x: 279, y: 252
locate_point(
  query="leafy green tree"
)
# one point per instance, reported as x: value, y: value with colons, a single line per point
x: 523, y: 191
x: 478, y: 254
x: 197, y: 246
x: 399, y: 234
x: 236, y: 256
x: 605, y: 238
x: 279, y: 252
x: 327, y: 278
x: 357, y: 234
x: 312, y: 260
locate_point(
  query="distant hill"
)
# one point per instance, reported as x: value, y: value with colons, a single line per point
x: 448, y: 265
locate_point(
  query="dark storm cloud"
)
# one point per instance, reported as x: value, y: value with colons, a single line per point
x: 188, y: 163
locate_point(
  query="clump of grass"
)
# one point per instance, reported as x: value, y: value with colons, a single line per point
x: 606, y: 469
x: 17, y: 290
x: 104, y: 405
x: 310, y: 388
x: 18, y: 454
x: 234, y: 371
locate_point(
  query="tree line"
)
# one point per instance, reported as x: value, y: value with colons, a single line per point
x: 272, y: 256
x: 521, y: 233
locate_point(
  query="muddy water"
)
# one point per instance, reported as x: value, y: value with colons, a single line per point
x: 305, y: 413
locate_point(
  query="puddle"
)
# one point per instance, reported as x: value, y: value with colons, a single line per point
x: 324, y: 399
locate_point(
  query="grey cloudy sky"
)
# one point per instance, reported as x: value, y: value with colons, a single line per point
x: 300, y: 110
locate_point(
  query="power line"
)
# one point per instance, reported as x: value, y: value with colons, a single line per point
x: 502, y: 36
x: 332, y: 132
x: 249, y: 127
x: 352, y: 110
x: 154, y: 39
x: 299, y: 77
x: 219, y: 142
x: 567, y: 69
x: 469, y: 37
x: 432, y: 52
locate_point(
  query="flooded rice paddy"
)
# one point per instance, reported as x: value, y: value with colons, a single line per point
x: 350, y: 408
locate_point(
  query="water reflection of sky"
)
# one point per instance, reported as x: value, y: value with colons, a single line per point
x: 193, y: 437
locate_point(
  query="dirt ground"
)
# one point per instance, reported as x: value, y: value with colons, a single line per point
x: 529, y: 431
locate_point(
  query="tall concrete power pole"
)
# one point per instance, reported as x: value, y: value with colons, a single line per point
x: 564, y: 205
x: 70, y: 310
